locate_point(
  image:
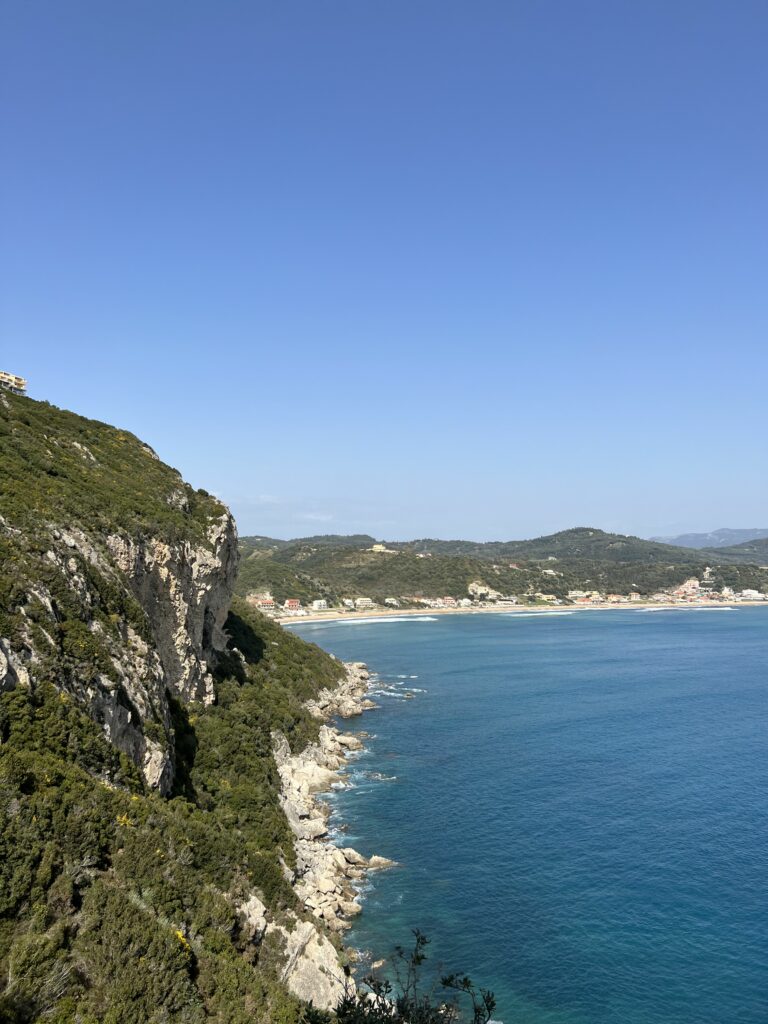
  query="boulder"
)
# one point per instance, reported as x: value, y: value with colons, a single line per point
x: 253, y: 915
x: 377, y: 863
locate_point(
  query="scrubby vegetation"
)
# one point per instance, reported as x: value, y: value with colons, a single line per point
x: 61, y: 467
x: 117, y: 905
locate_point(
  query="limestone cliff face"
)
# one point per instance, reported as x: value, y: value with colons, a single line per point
x: 181, y: 590
x: 115, y: 576
x: 185, y: 590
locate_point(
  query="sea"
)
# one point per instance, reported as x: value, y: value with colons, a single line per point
x: 577, y: 804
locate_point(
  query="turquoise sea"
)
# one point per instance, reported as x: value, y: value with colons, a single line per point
x: 578, y: 804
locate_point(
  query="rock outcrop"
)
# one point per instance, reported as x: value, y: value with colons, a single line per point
x: 185, y: 590
x: 181, y: 592
x: 311, y: 969
x: 327, y: 876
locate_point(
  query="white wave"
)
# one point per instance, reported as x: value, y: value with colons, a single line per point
x: 534, y: 615
x: 384, y: 618
x: 362, y: 622
x: 684, y: 608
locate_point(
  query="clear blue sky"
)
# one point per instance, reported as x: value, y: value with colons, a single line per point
x: 410, y: 267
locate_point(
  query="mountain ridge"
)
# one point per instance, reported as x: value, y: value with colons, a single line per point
x: 724, y: 537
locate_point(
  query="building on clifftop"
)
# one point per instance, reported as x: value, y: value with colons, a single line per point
x: 12, y: 382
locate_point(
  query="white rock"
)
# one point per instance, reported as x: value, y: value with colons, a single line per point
x: 254, y: 917
x: 311, y: 971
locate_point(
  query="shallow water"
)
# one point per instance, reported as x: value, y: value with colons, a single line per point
x: 579, y: 806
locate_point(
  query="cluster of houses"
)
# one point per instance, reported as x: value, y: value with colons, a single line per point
x: 692, y: 591
x: 293, y: 606
x: 695, y: 591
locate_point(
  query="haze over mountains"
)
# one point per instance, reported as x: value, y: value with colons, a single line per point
x: 716, y: 539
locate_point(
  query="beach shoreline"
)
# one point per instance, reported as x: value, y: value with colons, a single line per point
x: 334, y: 615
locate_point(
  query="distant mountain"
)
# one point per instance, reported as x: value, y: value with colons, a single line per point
x: 716, y: 539
x: 754, y: 552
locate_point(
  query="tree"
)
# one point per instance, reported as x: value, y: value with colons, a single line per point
x: 403, y: 1002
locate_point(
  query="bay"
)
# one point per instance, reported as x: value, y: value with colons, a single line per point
x: 578, y: 804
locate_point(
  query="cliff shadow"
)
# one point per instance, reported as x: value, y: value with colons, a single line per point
x: 244, y: 638
x: 184, y: 750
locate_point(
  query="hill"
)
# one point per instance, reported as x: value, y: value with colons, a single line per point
x: 580, y: 542
x: 145, y: 858
x: 755, y: 552
x: 716, y: 539
x: 579, y: 559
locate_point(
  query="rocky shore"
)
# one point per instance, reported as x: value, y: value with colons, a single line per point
x: 326, y: 875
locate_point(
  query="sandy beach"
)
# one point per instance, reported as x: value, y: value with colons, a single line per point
x: 335, y: 615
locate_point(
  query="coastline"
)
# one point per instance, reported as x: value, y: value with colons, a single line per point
x: 327, y: 878
x: 335, y: 615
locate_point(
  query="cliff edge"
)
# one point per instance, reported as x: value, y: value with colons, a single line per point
x: 116, y: 576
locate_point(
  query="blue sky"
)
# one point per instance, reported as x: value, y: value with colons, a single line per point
x: 413, y: 268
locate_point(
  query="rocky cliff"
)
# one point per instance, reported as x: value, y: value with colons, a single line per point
x: 127, y: 675
x: 117, y: 576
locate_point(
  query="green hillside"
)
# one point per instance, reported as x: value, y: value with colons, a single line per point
x: 118, y: 904
x: 58, y: 466
x: 754, y: 551
x: 572, y: 560
x: 580, y: 542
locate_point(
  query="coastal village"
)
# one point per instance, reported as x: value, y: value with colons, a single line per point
x: 480, y: 596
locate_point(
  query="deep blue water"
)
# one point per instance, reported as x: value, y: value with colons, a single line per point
x: 579, y: 805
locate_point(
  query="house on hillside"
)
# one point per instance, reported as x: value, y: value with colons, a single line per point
x: 292, y: 604
x: 690, y: 589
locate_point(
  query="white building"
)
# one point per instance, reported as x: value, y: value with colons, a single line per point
x: 12, y: 382
x: 363, y: 602
x: 320, y: 605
